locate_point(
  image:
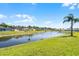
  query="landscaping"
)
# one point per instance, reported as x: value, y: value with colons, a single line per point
x: 58, y: 46
x: 39, y: 29
x: 15, y: 33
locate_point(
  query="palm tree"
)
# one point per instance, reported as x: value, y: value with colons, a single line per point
x: 70, y: 18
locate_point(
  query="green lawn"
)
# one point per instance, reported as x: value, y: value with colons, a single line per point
x: 14, y: 33
x: 57, y: 46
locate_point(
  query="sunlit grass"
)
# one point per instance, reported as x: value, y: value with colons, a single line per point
x: 11, y: 33
x: 57, y: 46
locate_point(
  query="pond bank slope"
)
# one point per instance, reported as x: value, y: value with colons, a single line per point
x: 58, y: 46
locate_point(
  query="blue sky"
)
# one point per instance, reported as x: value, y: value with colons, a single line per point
x: 38, y: 14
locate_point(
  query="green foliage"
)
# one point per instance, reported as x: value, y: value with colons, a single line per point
x: 4, y: 25
x: 72, y: 19
x: 58, y: 46
x: 14, y: 33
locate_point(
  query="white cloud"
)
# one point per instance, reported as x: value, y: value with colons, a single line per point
x: 66, y: 4
x: 34, y: 4
x: 71, y: 5
x: 24, y: 21
x: 48, y: 22
x: 75, y: 4
x: 78, y: 6
x: 18, y: 15
x: 2, y: 16
x: 25, y: 18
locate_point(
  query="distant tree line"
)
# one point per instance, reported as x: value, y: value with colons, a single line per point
x: 4, y: 25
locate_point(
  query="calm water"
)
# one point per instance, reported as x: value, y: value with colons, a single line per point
x: 10, y: 41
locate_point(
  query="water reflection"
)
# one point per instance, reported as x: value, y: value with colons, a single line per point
x: 30, y: 37
x: 5, y: 38
x: 14, y: 40
x: 17, y: 37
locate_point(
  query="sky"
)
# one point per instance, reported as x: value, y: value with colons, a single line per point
x: 38, y: 14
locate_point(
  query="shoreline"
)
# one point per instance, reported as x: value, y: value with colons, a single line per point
x: 26, y: 33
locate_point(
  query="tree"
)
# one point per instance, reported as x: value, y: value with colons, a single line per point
x: 70, y: 18
x: 29, y: 27
x: 3, y: 25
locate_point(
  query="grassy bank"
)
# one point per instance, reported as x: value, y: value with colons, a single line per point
x: 14, y: 33
x: 58, y: 46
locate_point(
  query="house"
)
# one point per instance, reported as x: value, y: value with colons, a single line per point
x: 16, y: 30
x: 5, y: 29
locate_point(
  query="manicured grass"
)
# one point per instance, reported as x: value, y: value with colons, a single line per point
x: 12, y: 33
x: 57, y: 46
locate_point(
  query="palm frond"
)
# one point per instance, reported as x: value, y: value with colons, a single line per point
x: 66, y: 20
x: 76, y: 20
x: 66, y: 17
x: 70, y: 16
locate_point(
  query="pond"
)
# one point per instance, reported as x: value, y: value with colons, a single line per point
x: 10, y: 41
